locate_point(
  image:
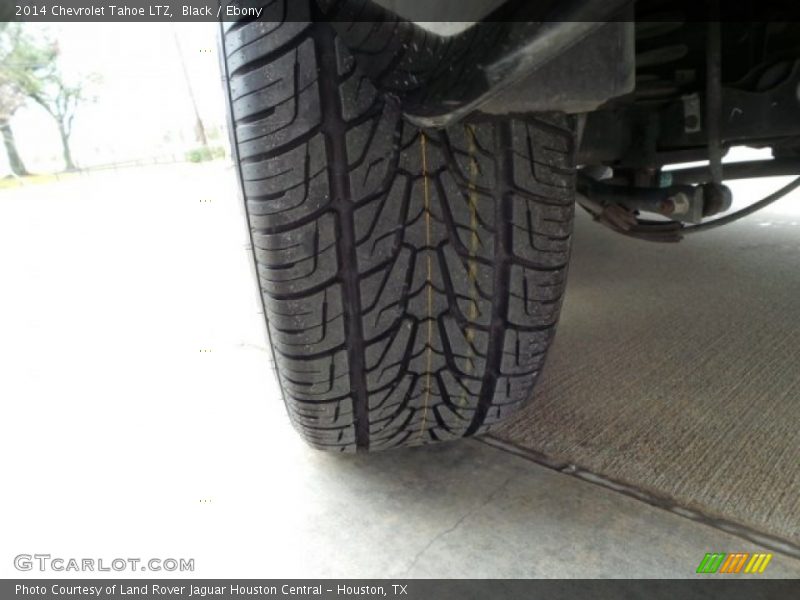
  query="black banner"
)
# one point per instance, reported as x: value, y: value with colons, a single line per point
x: 411, y: 10
x: 438, y: 589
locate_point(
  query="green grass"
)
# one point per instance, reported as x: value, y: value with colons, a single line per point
x: 17, y: 182
x: 205, y: 153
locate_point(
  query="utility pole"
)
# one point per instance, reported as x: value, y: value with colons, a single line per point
x: 199, y: 129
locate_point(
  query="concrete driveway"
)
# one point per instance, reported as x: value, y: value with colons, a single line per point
x: 139, y: 417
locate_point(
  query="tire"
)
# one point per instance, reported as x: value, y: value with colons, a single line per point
x: 411, y: 279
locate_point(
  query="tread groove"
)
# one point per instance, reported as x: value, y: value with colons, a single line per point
x: 334, y: 126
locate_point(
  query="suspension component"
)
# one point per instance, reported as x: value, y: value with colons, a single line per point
x: 683, y: 203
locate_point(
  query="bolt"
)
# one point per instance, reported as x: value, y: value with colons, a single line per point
x: 667, y: 207
x: 680, y: 202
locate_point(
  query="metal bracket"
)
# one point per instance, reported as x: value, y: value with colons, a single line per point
x: 682, y: 203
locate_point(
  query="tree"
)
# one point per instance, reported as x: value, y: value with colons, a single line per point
x: 60, y: 100
x: 34, y: 73
x: 10, y: 101
x: 51, y: 90
x: 199, y: 128
x: 11, y: 97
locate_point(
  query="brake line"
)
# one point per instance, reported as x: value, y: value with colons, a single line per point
x: 621, y: 220
x: 748, y: 210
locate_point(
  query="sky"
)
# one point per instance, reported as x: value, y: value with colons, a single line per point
x: 142, y: 99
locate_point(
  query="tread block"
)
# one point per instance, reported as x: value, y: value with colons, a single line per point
x: 264, y: 87
x: 298, y: 260
x: 285, y: 208
x: 280, y: 24
x: 289, y: 120
x: 543, y: 155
